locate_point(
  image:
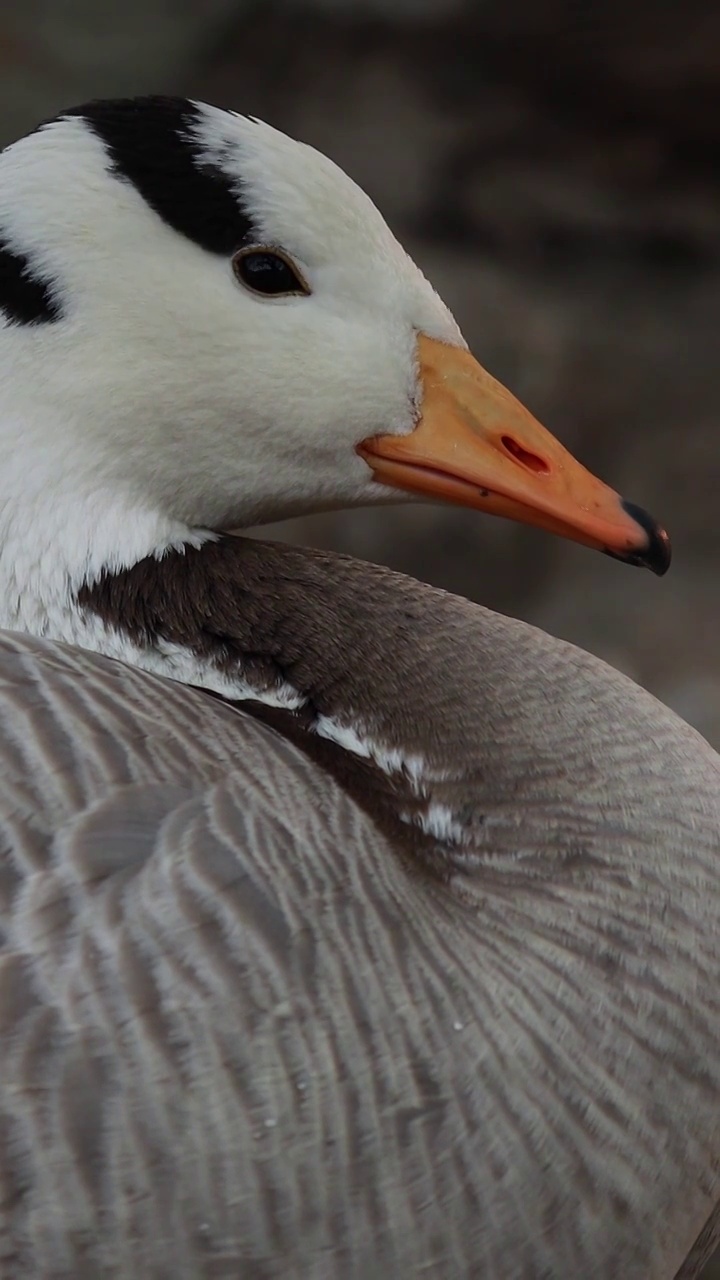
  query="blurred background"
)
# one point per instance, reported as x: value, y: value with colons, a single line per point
x: 552, y: 165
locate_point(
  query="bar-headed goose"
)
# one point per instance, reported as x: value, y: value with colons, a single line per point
x: 409, y: 964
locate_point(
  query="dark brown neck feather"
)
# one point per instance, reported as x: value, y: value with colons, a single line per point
x: 358, y: 642
x: 522, y: 740
x: 354, y: 640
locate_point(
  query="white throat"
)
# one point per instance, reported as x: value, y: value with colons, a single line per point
x: 52, y: 542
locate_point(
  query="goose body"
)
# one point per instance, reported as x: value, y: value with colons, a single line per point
x: 348, y: 930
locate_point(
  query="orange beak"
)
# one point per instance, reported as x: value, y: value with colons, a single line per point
x: 476, y: 446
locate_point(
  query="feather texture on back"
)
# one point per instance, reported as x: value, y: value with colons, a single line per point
x: 249, y: 1037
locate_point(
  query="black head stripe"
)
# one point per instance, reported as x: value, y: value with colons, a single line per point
x: 25, y: 296
x: 149, y: 141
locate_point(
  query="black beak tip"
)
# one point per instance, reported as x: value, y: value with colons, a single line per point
x: 658, y: 553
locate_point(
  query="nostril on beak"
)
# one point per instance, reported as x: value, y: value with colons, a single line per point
x: 523, y: 456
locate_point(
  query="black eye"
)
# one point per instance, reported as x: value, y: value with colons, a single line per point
x: 269, y: 272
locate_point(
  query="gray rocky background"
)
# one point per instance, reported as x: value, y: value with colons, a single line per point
x: 553, y: 166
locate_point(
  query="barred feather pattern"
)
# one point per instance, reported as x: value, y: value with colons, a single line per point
x: 244, y: 1036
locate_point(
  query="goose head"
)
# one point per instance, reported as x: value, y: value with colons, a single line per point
x: 205, y: 324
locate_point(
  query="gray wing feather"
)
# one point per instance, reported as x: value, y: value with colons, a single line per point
x: 241, y: 1038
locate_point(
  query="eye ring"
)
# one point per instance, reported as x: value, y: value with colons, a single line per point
x: 268, y: 272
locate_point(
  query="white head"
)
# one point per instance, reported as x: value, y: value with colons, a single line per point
x: 148, y: 394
